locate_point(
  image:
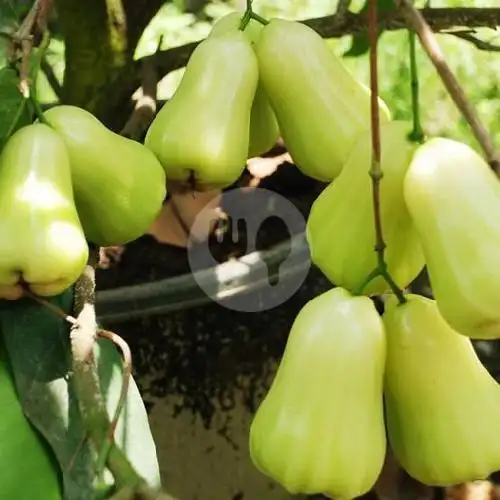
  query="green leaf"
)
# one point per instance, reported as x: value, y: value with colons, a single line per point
x: 13, y: 110
x: 23, y: 446
x: 12, y: 11
x: 360, y: 44
x: 37, y: 341
x: 38, y: 345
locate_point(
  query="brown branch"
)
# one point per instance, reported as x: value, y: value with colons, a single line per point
x: 430, y: 44
x: 469, y: 36
x: 127, y: 375
x: 336, y: 26
x: 343, y: 8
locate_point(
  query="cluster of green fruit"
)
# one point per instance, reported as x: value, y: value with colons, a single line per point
x: 65, y: 181
x: 246, y: 87
x: 351, y: 381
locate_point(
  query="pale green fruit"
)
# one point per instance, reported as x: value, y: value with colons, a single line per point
x: 341, y: 228
x: 264, y: 130
x: 231, y: 22
x: 28, y: 468
x: 454, y: 200
x: 320, y: 107
x: 442, y: 405
x: 202, y: 132
x: 119, y: 185
x: 41, y: 239
x: 320, y: 428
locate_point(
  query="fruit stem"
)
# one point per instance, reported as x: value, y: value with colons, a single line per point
x: 246, y: 16
x: 38, y: 110
x: 250, y: 14
x: 258, y: 18
x: 376, y: 173
x: 417, y: 134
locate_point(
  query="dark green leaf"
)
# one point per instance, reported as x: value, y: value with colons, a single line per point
x: 13, y: 111
x: 12, y: 11
x: 38, y: 345
x: 360, y: 45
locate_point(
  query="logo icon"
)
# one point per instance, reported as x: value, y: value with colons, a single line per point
x: 260, y: 279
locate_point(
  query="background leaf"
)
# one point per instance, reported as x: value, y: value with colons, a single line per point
x: 11, y: 104
x: 11, y: 11
x: 38, y: 345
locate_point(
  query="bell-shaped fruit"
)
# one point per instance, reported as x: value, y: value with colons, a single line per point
x: 341, y: 229
x: 320, y: 428
x: 454, y: 200
x: 441, y: 403
x: 118, y: 183
x: 42, y: 244
x: 201, y: 134
x: 28, y: 468
x: 320, y: 107
x: 264, y: 130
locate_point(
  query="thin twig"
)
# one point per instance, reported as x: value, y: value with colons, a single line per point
x: 26, y: 28
x: 343, y: 8
x: 376, y: 172
x: 417, y: 134
x: 477, y: 42
x: 127, y: 373
x: 48, y: 305
x: 22, y: 41
x: 430, y: 44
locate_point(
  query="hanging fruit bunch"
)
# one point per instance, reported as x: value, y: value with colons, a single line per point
x: 351, y: 382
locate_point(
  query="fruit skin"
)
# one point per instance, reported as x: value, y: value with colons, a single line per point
x: 264, y: 130
x: 454, y: 200
x: 341, y: 231
x: 441, y: 403
x: 319, y: 105
x: 41, y: 238
x: 27, y: 468
x: 119, y: 185
x: 320, y: 428
x: 203, y: 130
